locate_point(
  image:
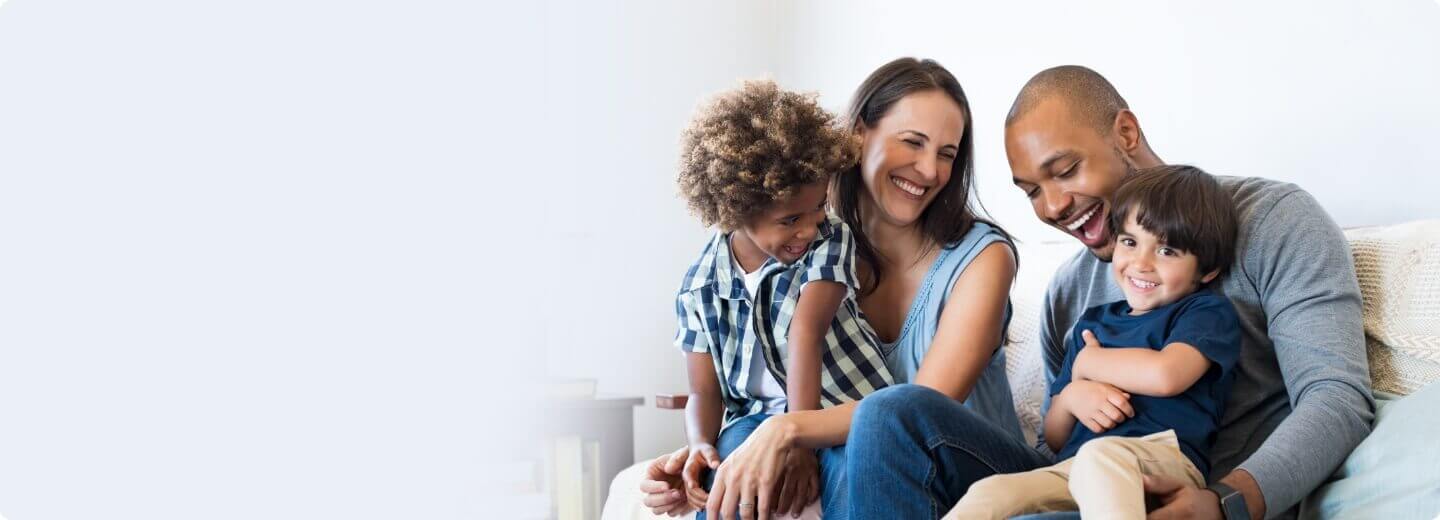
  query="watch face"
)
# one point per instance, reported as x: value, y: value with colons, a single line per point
x: 1233, y: 505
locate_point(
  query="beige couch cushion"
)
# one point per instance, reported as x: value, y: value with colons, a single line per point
x: 1024, y: 366
x: 1399, y: 271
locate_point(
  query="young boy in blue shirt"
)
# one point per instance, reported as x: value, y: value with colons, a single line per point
x: 1144, y: 381
x: 767, y: 315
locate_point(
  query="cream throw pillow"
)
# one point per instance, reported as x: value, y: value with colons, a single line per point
x: 1399, y: 271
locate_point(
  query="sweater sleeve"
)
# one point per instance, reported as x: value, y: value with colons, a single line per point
x: 1301, y: 265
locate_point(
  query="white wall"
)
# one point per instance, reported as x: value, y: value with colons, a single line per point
x: 1337, y: 96
x: 622, y: 79
x: 250, y: 257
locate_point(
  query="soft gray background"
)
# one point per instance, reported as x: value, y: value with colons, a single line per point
x: 255, y: 256
x: 307, y: 258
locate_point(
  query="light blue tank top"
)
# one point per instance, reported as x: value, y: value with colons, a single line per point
x: 991, y: 396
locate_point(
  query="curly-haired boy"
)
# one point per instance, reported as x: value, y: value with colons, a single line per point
x: 767, y: 314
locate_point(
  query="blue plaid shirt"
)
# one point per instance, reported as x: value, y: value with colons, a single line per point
x: 718, y: 316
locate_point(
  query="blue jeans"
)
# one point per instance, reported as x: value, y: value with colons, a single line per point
x: 832, y: 463
x: 908, y: 441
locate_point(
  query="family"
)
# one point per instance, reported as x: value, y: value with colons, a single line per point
x: 843, y: 328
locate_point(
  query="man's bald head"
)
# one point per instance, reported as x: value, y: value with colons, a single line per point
x: 1088, y: 95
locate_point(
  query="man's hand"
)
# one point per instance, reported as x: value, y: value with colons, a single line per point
x: 1097, y: 405
x: 1181, y: 501
x: 702, y: 457
x: 663, y: 484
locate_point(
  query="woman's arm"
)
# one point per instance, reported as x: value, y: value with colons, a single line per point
x: 969, y: 332
x: 814, y: 312
x: 970, y: 324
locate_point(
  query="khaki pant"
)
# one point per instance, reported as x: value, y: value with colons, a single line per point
x: 1102, y: 480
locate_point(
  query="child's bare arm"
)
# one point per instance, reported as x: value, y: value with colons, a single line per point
x: 703, y: 409
x: 1164, y: 373
x: 702, y: 424
x: 814, y: 312
x: 1059, y: 422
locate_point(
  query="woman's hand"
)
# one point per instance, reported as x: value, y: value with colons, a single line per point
x: 702, y: 457
x: 745, y: 485
x: 663, y: 482
x: 1097, y: 405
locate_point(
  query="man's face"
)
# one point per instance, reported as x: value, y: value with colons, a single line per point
x: 1069, y: 171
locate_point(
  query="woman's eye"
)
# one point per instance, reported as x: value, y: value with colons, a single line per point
x: 912, y: 142
x: 948, y: 156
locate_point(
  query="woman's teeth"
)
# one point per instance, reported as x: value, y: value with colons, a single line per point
x: 908, y: 187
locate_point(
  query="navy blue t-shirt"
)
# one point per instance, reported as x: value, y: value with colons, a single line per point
x: 1205, y: 320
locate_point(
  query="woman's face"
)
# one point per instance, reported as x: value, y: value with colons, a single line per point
x: 907, y: 156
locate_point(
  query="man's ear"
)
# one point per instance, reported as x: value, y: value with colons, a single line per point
x: 1127, y: 132
x: 1210, y: 276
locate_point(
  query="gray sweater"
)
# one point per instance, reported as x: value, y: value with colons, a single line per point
x: 1301, y: 400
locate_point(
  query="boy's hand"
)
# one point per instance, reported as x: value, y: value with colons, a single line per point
x: 800, y: 485
x: 702, y: 456
x: 1097, y: 405
x: 1092, y: 345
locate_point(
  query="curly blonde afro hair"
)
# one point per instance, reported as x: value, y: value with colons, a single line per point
x: 754, y: 146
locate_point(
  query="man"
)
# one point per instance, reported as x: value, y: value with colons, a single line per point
x: 1301, y: 400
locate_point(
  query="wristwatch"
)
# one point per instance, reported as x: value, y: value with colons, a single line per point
x: 1232, y: 503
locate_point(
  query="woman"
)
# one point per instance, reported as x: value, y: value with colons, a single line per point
x: 935, y: 283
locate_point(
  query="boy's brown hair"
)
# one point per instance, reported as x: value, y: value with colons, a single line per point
x: 1185, y: 208
x: 754, y: 146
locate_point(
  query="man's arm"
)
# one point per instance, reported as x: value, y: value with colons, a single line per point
x: 1301, y: 264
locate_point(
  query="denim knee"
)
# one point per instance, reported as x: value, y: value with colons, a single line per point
x: 903, y: 403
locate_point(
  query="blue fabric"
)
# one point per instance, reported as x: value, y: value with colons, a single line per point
x: 1393, y: 473
x: 1203, y: 319
x: 832, y: 463
x: 718, y: 316
x: 990, y: 398
x: 1059, y: 515
x: 915, y: 452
